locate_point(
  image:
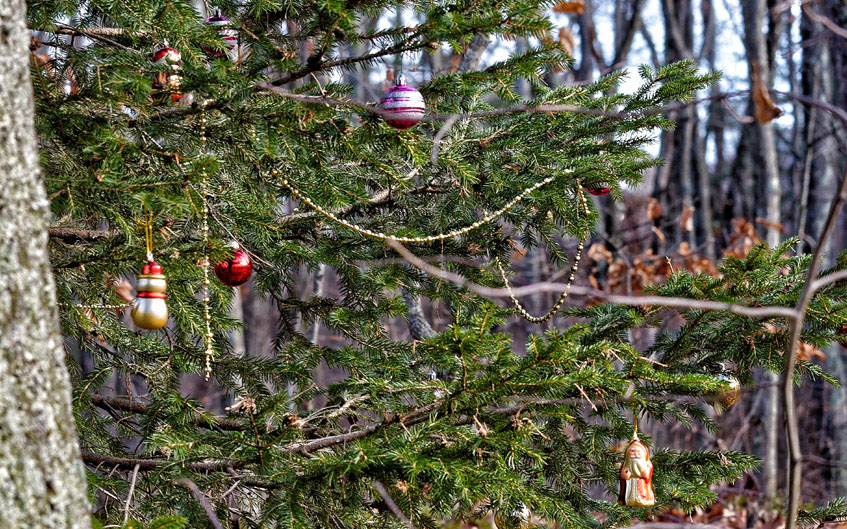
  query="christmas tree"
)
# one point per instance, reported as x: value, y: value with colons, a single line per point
x: 168, y: 131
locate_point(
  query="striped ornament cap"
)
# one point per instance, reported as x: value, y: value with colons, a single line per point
x: 403, y: 104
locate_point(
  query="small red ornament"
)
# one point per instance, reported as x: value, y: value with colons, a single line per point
x: 236, y: 271
x: 843, y: 331
x: 168, y: 82
x: 599, y: 190
x: 403, y: 105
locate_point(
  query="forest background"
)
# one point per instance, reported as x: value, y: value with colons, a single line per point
x: 743, y: 166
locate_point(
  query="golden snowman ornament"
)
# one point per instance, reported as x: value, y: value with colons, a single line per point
x: 149, y: 310
x: 636, y: 476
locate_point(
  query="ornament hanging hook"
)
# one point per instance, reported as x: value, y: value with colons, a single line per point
x: 634, y: 424
x: 148, y: 235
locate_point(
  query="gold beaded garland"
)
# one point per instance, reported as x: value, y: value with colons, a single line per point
x: 574, y: 268
x: 410, y: 240
x: 462, y: 231
x: 208, y: 337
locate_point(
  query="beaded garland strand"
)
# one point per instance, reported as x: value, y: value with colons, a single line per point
x: 574, y: 268
x: 208, y: 337
x: 455, y: 233
x: 410, y: 240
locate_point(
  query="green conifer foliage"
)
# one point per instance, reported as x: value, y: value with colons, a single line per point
x: 497, y: 431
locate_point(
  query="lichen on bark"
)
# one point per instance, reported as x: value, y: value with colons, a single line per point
x: 42, y: 482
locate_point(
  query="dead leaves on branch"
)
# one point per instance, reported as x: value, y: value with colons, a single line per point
x: 765, y: 109
x: 648, y: 269
x: 570, y: 7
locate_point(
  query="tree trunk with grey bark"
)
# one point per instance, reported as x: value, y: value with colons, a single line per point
x: 43, y: 483
x: 756, y: 41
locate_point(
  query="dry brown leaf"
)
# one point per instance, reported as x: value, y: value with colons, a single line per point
x: 766, y: 111
x: 654, y: 210
x: 599, y: 252
x: 686, y: 222
x: 807, y: 351
x: 575, y: 7
x: 593, y: 281
x: 771, y: 225
x: 123, y: 289
x: 742, y: 239
x: 567, y: 41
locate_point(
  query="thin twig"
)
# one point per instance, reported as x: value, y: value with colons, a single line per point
x: 131, y: 490
x: 380, y: 488
x: 201, y: 499
x: 516, y: 109
x: 205, y: 421
x: 795, y: 453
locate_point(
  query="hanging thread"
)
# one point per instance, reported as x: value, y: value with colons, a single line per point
x: 208, y: 337
x: 148, y: 235
x: 559, y: 302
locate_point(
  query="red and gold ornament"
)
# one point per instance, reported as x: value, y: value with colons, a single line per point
x: 636, y: 476
x: 403, y: 105
x: 842, y: 331
x: 149, y: 310
x: 598, y: 190
x: 237, y: 270
x: 168, y: 82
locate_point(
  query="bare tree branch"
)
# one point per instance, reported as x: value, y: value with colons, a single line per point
x: 129, y: 494
x: 380, y: 488
x: 536, y: 288
x: 824, y: 20
x: 795, y: 453
x: 135, y: 406
x: 201, y: 499
x: 74, y: 234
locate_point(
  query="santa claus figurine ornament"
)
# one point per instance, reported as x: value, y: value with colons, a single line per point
x: 403, y: 106
x: 236, y: 271
x: 636, y: 476
x: 149, y: 310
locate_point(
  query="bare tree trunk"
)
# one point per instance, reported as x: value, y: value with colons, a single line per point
x: 675, y: 189
x: 824, y: 71
x: 758, y: 57
x: 43, y: 483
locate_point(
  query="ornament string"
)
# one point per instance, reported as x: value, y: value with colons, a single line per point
x: 148, y: 235
x: 564, y: 295
x: 430, y: 238
x: 208, y: 337
x: 147, y: 224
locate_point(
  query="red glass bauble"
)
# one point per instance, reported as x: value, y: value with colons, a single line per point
x: 599, y: 190
x: 236, y: 271
x: 843, y: 332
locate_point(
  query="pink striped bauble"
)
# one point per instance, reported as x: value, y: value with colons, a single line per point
x: 224, y: 28
x: 403, y: 105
